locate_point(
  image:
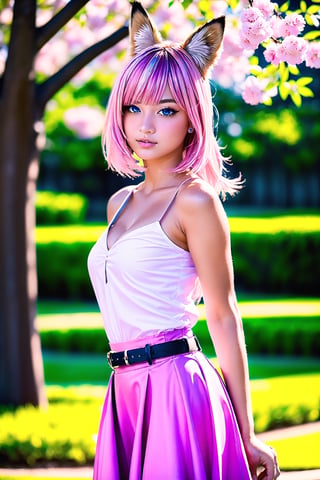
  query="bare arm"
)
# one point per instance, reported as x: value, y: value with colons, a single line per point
x: 205, y: 225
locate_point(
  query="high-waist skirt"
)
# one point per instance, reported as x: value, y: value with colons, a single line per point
x: 172, y: 420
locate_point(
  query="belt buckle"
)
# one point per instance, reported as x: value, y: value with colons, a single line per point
x: 193, y: 343
x: 109, y: 358
x: 126, y: 358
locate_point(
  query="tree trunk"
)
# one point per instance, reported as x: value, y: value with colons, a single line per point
x: 21, y: 133
x: 21, y: 369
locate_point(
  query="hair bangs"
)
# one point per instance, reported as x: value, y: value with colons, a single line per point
x: 148, y: 78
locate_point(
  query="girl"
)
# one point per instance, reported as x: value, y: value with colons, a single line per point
x: 168, y: 415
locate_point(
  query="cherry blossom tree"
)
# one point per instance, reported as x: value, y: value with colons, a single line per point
x: 44, y: 45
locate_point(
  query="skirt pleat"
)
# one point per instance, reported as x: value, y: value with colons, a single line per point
x: 172, y: 420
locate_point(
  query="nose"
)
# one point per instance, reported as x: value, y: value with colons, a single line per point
x: 147, y: 125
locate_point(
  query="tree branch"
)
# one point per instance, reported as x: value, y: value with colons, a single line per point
x: 49, y: 87
x: 47, y: 31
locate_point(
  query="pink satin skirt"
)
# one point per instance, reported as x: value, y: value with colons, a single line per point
x: 172, y: 420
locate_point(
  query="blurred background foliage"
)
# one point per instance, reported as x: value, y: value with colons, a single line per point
x: 276, y: 149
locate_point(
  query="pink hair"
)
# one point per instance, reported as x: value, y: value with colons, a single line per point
x: 144, y: 79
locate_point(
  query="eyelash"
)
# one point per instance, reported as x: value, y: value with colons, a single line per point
x: 134, y: 109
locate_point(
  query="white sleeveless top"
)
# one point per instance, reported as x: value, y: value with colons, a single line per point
x: 144, y: 283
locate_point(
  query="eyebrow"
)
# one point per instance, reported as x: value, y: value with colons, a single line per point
x: 167, y: 100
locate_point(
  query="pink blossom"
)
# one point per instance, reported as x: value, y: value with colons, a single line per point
x: 248, y: 43
x: 252, y: 92
x: 230, y: 71
x: 312, y: 55
x: 265, y: 7
x: 77, y: 36
x: 254, y: 28
x: 218, y: 8
x: 3, y: 57
x: 6, y: 15
x: 271, y: 54
x: 275, y: 24
x: 293, y: 24
x: 292, y: 49
x: 85, y: 121
x: 231, y: 41
x: 96, y: 14
x: 51, y: 57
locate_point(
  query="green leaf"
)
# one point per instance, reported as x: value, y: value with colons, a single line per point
x: 305, y: 92
x: 233, y: 4
x: 284, y: 7
x: 303, y: 81
x: 312, y: 35
x: 303, y: 6
x: 267, y: 101
x: 312, y: 20
x: 184, y: 3
x: 293, y: 69
x: 313, y: 9
x: 254, y: 60
x: 256, y: 70
x: 283, y: 91
x: 296, y: 98
x: 284, y: 72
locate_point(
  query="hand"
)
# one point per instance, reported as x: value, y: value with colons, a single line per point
x: 262, y: 460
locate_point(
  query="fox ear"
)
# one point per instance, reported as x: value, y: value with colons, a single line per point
x: 203, y: 44
x: 143, y: 32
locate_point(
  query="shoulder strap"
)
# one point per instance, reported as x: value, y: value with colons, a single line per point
x: 174, y: 197
x: 122, y: 206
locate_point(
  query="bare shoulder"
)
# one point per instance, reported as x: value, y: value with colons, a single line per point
x: 116, y: 200
x: 198, y: 201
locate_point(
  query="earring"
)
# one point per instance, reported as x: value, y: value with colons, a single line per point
x: 190, y: 130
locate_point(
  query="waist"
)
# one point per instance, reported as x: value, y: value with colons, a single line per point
x: 150, y: 352
x: 152, y: 338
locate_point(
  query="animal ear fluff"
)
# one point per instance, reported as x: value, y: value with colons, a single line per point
x: 204, y: 44
x: 143, y: 32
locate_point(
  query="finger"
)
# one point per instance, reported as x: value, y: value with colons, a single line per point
x: 276, y: 469
x: 262, y: 475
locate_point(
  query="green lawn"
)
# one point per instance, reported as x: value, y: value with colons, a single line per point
x: 298, y: 453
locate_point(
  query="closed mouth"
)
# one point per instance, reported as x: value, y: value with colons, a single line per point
x: 145, y: 140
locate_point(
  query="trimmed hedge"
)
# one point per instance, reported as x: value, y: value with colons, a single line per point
x: 271, y: 263
x: 269, y: 336
x: 60, y: 208
x: 277, y: 263
x: 62, y: 270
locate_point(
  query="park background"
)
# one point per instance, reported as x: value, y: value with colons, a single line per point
x: 275, y: 227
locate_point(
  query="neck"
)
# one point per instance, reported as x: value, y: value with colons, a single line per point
x: 155, y: 180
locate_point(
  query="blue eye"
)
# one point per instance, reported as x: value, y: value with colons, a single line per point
x: 167, y: 112
x: 131, y: 109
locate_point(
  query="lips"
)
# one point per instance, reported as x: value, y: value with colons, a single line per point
x: 145, y: 142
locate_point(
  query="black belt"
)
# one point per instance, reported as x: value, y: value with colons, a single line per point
x: 148, y: 353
